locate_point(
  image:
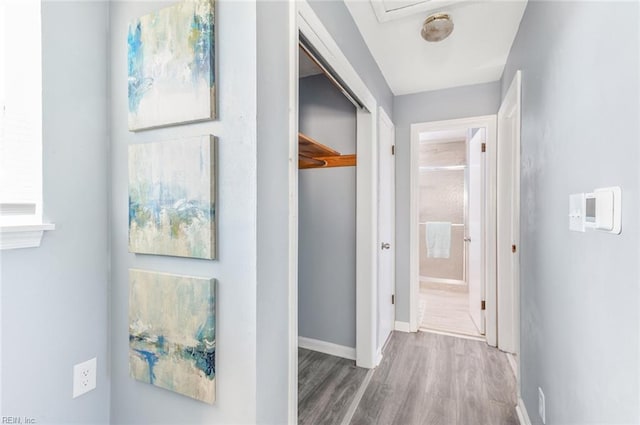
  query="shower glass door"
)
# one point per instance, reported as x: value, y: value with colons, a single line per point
x: 443, y: 199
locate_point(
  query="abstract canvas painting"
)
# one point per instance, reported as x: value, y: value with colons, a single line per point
x: 171, y: 71
x: 172, y: 208
x: 172, y: 332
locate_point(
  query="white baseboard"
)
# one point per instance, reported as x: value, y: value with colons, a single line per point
x: 453, y: 334
x: 402, y: 326
x: 327, y: 348
x: 513, y: 363
x: 521, y: 411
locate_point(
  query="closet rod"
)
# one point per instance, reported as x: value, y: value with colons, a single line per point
x: 328, y: 71
x: 453, y: 225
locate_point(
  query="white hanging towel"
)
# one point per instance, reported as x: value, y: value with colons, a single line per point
x: 438, y: 239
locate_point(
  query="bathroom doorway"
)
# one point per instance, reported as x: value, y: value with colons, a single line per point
x: 452, y: 208
x: 445, y: 242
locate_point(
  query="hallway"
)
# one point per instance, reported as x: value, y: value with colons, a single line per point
x: 425, y: 378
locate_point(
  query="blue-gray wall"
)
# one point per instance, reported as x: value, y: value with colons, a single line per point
x: 253, y: 183
x: 273, y: 353
x: 134, y: 402
x: 336, y: 18
x: 459, y: 102
x: 54, y: 298
x: 327, y: 219
x: 579, y: 291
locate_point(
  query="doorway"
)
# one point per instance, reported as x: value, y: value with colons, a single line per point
x: 453, y: 227
x: 451, y: 201
x: 327, y: 162
x: 310, y: 30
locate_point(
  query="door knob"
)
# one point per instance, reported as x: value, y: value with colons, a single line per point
x: 386, y: 245
x: 467, y: 239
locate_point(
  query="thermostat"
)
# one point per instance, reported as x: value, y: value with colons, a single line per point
x: 600, y: 210
x: 608, y: 207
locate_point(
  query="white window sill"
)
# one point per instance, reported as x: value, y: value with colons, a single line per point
x: 15, y: 236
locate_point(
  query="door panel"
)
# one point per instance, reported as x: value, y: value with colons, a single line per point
x: 386, y: 229
x: 508, y: 213
x: 475, y: 230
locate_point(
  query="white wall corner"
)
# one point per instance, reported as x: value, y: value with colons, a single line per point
x: 327, y: 348
x: 402, y: 326
x: 521, y: 411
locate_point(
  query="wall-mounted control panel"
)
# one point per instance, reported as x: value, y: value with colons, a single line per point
x: 600, y: 210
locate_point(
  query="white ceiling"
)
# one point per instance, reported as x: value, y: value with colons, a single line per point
x: 474, y: 53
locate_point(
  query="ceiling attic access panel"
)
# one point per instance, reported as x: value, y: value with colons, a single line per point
x: 311, y: 153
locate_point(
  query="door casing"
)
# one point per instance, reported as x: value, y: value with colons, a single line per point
x: 488, y: 122
x: 508, y: 214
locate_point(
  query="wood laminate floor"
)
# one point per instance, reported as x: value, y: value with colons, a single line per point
x: 326, y: 387
x: 433, y: 379
x: 447, y: 311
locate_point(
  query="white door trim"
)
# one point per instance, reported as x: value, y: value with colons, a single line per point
x: 292, y: 375
x: 509, y: 292
x: 488, y: 121
x: 308, y: 23
x: 508, y: 289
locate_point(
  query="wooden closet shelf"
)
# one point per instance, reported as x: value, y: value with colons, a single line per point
x: 306, y: 162
x: 313, y: 154
x: 328, y: 161
x: 312, y: 148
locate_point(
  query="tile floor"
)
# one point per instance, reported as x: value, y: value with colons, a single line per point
x: 446, y: 311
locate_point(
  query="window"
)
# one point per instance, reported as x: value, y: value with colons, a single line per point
x: 21, y: 124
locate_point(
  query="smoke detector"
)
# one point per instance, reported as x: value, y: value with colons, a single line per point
x: 437, y: 27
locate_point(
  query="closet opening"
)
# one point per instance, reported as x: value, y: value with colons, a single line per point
x: 327, y: 238
x: 350, y: 319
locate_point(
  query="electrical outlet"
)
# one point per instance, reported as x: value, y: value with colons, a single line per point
x: 84, y: 377
x: 541, y: 407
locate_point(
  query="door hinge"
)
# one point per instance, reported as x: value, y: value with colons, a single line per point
x: 483, y: 305
x: 393, y: 149
x: 483, y: 147
x: 393, y: 299
x: 513, y: 248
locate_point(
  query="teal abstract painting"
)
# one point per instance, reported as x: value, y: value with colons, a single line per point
x: 171, y: 70
x: 172, y: 192
x: 172, y: 332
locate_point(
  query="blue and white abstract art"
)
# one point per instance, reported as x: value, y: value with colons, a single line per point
x: 171, y: 66
x: 172, y: 332
x: 172, y: 192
